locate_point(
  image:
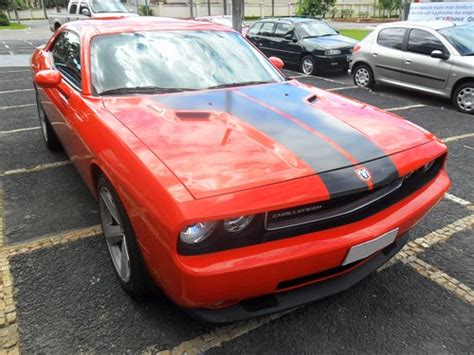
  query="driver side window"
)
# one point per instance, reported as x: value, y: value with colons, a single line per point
x: 284, y: 29
x: 66, y: 53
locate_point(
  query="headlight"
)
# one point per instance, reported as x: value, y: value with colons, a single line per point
x: 237, y: 224
x: 332, y: 52
x: 197, y: 232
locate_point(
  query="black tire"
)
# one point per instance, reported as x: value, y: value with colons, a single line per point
x: 49, y: 135
x: 139, y: 282
x: 56, y: 26
x: 363, y: 76
x: 305, y: 67
x: 460, y: 101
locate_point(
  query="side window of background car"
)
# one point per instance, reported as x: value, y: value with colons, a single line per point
x: 282, y: 29
x: 423, y: 42
x: 67, y: 57
x: 72, y: 9
x: 266, y: 29
x: 254, y: 29
x: 391, y: 37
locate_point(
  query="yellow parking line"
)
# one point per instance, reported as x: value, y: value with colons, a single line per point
x: 52, y: 240
x: 456, y: 138
x: 442, y: 279
x: 35, y: 168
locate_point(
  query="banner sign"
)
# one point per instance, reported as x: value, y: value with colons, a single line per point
x: 446, y: 11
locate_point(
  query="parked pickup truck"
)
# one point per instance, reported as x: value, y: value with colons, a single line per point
x: 80, y: 9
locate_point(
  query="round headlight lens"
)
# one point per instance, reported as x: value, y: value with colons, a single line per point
x: 197, y: 232
x: 237, y: 224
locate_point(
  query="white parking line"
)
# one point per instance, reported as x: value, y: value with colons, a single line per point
x: 14, y: 71
x: 404, y: 107
x: 3, y: 108
x: 35, y: 168
x: 343, y: 88
x: 456, y: 138
x: 19, y: 130
x: 457, y: 200
x: 13, y: 91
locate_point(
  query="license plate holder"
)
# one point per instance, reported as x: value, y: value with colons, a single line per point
x: 366, y: 249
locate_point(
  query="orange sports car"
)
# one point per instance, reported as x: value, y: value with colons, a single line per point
x: 235, y: 190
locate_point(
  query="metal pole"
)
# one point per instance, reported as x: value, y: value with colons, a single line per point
x: 209, y: 7
x: 237, y: 15
x: 43, y: 5
x: 273, y: 8
x: 191, y: 10
x: 225, y: 7
x: 147, y: 11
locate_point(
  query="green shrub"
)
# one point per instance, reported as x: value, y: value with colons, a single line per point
x: 4, y: 19
x: 314, y: 8
x: 142, y: 11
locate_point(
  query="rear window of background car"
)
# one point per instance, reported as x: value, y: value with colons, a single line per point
x: 255, y: 29
x: 423, y: 42
x: 391, y: 37
x: 266, y: 29
x: 73, y: 8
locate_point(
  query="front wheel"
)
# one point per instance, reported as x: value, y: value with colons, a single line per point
x: 308, y: 65
x: 363, y: 76
x: 463, y: 98
x: 50, y: 138
x: 121, y: 242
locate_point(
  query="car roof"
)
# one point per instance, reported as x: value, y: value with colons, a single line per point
x: 434, y: 25
x: 141, y: 23
x: 293, y: 20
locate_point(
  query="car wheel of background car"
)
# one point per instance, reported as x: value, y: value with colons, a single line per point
x: 121, y: 241
x: 463, y: 98
x: 49, y: 136
x: 364, y: 76
x: 308, y: 65
x: 56, y: 26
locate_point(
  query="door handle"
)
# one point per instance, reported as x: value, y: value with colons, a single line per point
x: 375, y: 54
x: 407, y: 60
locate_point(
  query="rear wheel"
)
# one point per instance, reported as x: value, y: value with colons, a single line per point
x: 308, y: 65
x: 363, y: 76
x: 50, y: 138
x: 121, y: 242
x: 463, y: 97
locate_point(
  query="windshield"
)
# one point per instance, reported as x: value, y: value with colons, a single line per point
x: 182, y: 60
x: 461, y: 37
x: 315, y: 29
x: 108, y: 6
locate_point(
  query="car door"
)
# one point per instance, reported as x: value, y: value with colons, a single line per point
x: 264, y: 38
x: 386, y: 54
x: 419, y: 68
x: 286, y: 44
x: 65, y: 111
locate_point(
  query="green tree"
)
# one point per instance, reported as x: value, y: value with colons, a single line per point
x: 314, y: 8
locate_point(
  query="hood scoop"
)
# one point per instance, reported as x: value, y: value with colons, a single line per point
x: 312, y: 99
x: 193, y: 115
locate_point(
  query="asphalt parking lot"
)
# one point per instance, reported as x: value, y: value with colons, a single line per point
x: 58, y: 293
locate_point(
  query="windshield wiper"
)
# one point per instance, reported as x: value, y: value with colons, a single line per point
x: 244, y: 83
x: 142, y: 90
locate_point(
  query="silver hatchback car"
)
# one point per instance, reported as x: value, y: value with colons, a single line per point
x: 433, y: 57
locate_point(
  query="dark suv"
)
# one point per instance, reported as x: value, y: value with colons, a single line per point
x: 310, y: 43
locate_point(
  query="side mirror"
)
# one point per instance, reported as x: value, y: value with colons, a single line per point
x: 289, y: 36
x: 86, y: 12
x: 439, y: 54
x: 277, y: 62
x: 47, y: 78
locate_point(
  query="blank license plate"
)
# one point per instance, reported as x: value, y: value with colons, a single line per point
x: 363, y: 250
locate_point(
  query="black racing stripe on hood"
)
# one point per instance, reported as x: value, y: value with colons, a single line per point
x: 313, y: 150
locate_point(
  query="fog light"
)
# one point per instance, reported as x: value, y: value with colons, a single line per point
x: 237, y: 224
x: 197, y: 232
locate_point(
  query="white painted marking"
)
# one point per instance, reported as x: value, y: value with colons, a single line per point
x: 343, y: 88
x: 404, y: 107
x: 13, y: 91
x: 3, y: 108
x: 19, y: 130
x: 14, y: 71
x: 457, y: 200
x: 35, y: 168
x: 456, y: 138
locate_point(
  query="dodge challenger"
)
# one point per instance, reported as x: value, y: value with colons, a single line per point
x: 231, y: 188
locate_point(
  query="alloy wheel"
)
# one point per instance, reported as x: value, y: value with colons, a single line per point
x: 362, y: 77
x: 114, y: 234
x: 307, y: 66
x: 465, y: 99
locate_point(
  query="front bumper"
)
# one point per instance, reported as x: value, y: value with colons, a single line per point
x: 332, y: 63
x: 299, y: 296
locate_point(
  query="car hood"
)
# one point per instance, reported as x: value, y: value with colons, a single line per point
x: 223, y: 141
x: 329, y: 42
x: 114, y: 14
